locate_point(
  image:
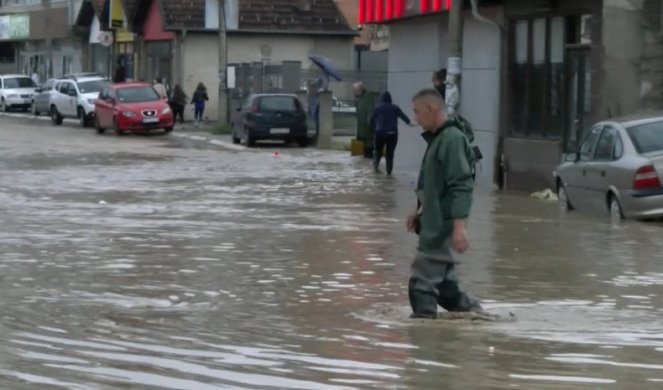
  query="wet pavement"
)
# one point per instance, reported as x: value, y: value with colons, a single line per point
x: 153, y: 263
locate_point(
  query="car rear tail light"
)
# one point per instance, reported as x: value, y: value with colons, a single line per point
x: 646, y: 177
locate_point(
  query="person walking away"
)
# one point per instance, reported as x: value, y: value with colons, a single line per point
x: 445, y: 191
x: 160, y: 88
x: 177, y: 103
x: 384, y: 123
x: 364, y: 104
x: 120, y: 76
x: 439, y: 82
x: 35, y: 78
x: 199, y: 98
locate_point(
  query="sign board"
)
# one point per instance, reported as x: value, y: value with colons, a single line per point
x: 14, y: 27
x: 117, y: 16
x: 105, y: 38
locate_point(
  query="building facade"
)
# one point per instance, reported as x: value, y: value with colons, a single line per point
x: 36, y: 36
x: 533, y: 86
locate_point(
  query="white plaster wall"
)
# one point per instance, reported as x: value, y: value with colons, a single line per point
x: 200, y: 64
x: 247, y: 48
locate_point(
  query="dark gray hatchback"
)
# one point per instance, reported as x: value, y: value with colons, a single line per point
x: 270, y: 117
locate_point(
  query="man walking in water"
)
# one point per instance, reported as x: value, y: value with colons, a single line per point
x: 445, y: 192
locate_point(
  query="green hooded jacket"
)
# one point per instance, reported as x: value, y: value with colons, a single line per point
x: 445, y: 185
x: 365, y: 104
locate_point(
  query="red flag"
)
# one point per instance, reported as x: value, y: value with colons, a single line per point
x: 437, y: 5
x: 389, y: 10
x: 361, y: 14
x: 379, y: 10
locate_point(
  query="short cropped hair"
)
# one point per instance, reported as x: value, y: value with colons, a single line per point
x: 429, y: 93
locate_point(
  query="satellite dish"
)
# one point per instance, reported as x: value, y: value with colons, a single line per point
x: 266, y: 51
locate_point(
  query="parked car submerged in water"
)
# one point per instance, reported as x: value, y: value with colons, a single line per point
x: 132, y: 107
x: 16, y: 91
x: 270, y: 117
x: 617, y: 169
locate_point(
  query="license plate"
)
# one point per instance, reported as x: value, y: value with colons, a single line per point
x: 279, y: 131
x: 151, y: 120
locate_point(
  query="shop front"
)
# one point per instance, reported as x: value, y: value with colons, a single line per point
x: 13, y: 29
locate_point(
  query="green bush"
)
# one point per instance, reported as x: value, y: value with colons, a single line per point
x: 221, y: 129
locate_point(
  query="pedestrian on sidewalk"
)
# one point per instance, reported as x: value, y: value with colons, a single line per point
x: 365, y: 104
x: 177, y: 103
x: 199, y: 98
x: 160, y: 88
x: 445, y: 191
x: 384, y: 124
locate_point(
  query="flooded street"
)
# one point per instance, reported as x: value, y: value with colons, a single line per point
x: 150, y: 263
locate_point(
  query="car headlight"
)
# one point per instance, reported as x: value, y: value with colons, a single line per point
x: 91, y: 101
x: 166, y: 111
x: 128, y: 114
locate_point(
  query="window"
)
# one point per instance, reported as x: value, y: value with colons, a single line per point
x: 606, y: 144
x: 91, y: 86
x: 588, y: 146
x: 48, y: 86
x: 618, y: 150
x: 647, y: 138
x: 278, y: 103
x: 103, y: 95
x: 19, y: 82
x: 136, y: 95
x: 538, y: 59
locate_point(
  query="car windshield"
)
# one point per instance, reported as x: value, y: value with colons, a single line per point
x: 137, y: 94
x: 647, y: 138
x: 279, y: 103
x: 19, y: 82
x: 94, y: 86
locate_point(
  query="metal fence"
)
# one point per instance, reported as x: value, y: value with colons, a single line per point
x: 289, y: 77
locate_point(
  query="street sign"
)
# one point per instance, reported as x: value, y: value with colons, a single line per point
x: 105, y: 38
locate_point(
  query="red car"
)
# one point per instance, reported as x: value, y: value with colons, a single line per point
x: 132, y: 107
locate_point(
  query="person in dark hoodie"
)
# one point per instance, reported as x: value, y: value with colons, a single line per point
x: 198, y: 100
x: 384, y: 124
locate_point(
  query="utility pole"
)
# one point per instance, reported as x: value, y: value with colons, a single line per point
x: 223, y: 64
x: 455, y: 56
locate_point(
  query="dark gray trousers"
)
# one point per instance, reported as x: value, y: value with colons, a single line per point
x: 434, y: 282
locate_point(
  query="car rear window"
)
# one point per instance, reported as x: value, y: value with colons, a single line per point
x: 19, y: 82
x: 278, y: 103
x: 92, y: 86
x: 137, y: 95
x: 647, y: 138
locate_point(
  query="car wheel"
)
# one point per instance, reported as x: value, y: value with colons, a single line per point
x: 563, y: 196
x: 35, y: 112
x: 3, y: 105
x: 303, y: 142
x: 82, y: 117
x: 615, y: 209
x: 236, y: 139
x: 100, y: 130
x: 55, y: 116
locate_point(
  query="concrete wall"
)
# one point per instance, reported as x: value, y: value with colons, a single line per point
x: 633, y: 56
x: 417, y: 48
x: 250, y: 48
x: 199, y: 51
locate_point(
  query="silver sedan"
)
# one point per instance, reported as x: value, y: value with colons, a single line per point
x: 618, y: 169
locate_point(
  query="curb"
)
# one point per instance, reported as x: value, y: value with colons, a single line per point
x: 29, y: 116
x: 211, y: 141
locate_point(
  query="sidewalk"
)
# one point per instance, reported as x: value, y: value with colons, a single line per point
x: 204, y: 134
